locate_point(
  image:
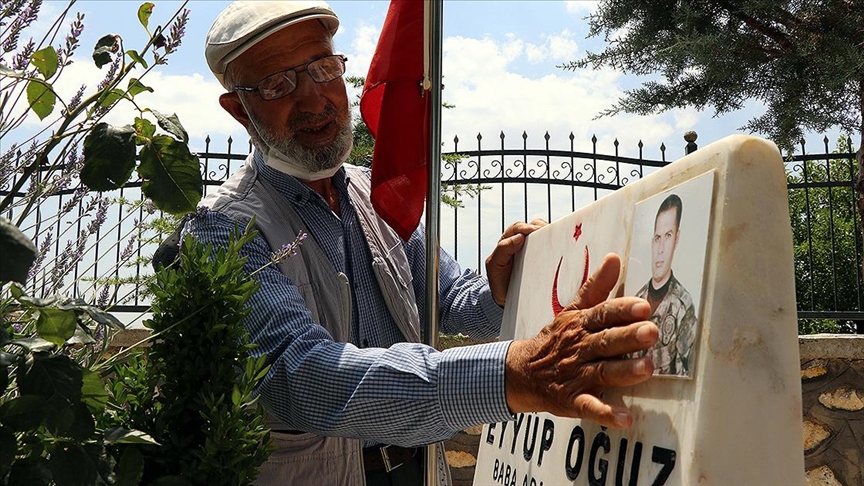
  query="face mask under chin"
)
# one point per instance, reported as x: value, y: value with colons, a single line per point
x: 293, y: 164
x: 292, y: 167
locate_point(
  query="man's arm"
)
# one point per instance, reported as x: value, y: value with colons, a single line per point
x: 408, y: 394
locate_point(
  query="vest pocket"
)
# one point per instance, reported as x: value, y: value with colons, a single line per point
x: 398, y: 297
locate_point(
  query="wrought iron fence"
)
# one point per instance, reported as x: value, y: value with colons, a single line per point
x: 109, y: 237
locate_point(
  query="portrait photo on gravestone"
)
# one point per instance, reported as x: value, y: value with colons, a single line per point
x: 666, y: 267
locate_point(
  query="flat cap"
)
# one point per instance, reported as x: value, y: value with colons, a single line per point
x: 245, y: 23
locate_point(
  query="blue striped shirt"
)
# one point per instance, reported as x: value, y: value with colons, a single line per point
x: 376, y: 387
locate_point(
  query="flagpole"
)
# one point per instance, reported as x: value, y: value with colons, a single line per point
x: 434, y: 41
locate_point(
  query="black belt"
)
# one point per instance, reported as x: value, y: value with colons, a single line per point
x: 386, y: 458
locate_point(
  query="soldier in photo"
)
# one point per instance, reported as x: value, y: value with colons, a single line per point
x: 672, y: 306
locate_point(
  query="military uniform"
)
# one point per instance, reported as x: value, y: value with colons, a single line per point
x: 675, y: 316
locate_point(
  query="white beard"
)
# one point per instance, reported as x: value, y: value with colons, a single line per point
x: 291, y: 158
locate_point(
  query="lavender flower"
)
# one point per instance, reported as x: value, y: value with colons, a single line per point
x: 77, y: 196
x: 129, y: 249
x: 61, y: 266
x: 40, y: 256
x: 102, y: 300
x: 109, y: 77
x: 99, y: 218
x: 7, y: 168
x: 288, y: 250
x: 24, y: 18
x: 176, y: 33
x: 148, y: 206
x: 22, y: 59
x: 76, y: 99
x: 64, y: 54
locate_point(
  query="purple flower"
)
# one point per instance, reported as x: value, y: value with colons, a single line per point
x: 176, y: 33
x: 129, y: 249
x: 288, y: 250
x: 99, y: 217
x: 102, y: 300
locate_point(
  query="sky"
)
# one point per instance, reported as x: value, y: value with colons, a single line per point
x: 500, y: 62
x: 501, y: 67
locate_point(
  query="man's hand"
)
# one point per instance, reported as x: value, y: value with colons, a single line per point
x: 500, y: 263
x: 565, y: 368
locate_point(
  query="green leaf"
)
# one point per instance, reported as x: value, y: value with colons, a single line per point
x: 16, y: 291
x: 119, y: 435
x: 171, y: 481
x: 235, y: 395
x: 46, y: 61
x: 30, y: 470
x: 100, y: 316
x: 71, y: 466
x: 8, y: 449
x: 6, y: 71
x: 82, y: 427
x: 26, y: 412
x: 171, y: 175
x: 18, y: 253
x: 41, y: 98
x: 130, y: 468
x: 93, y: 392
x: 106, y: 46
x: 136, y: 87
x: 60, y: 416
x: 50, y: 374
x: 56, y: 325
x: 144, y: 13
x: 109, y: 157
x: 33, y: 302
x: 80, y: 337
x: 144, y: 130
x: 34, y: 344
x: 7, y: 359
x: 136, y: 57
x: 171, y: 124
x: 109, y: 98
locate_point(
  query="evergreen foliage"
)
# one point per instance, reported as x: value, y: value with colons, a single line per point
x: 803, y: 59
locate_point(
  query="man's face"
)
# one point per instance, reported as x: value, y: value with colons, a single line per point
x: 663, y: 246
x: 312, y: 124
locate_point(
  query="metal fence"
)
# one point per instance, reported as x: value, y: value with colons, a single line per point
x: 108, y: 237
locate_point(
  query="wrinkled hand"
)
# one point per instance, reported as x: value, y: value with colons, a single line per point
x: 499, y: 263
x: 567, y: 365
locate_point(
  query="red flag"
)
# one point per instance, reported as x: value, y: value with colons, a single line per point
x: 397, y: 113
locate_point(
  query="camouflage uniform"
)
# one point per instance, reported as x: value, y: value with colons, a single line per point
x: 675, y: 316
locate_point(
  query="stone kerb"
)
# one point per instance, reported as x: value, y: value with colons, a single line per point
x: 832, y: 387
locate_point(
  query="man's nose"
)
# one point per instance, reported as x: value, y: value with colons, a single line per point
x: 308, y: 96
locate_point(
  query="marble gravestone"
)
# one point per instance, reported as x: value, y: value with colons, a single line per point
x: 724, y: 405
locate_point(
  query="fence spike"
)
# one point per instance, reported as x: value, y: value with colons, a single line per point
x: 594, y: 138
x: 546, y: 136
x: 572, y: 137
x: 524, y: 135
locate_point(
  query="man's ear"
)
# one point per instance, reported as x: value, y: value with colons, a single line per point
x: 231, y: 103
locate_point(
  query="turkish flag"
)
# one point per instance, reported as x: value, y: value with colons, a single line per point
x: 396, y: 111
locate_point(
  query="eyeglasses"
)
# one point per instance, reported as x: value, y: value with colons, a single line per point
x: 284, y: 82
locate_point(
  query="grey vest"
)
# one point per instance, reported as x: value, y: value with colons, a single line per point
x: 308, y: 458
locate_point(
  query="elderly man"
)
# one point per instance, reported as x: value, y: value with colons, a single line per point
x: 351, y: 391
x: 671, y: 304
